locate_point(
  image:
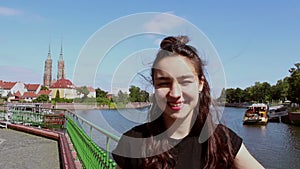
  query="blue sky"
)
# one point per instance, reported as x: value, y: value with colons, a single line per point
x: 255, y: 40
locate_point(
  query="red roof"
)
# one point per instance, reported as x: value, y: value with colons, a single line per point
x: 91, y: 89
x: 29, y: 95
x: 7, y: 85
x: 45, y: 92
x: 63, y: 83
x: 17, y: 94
x: 32, y: 87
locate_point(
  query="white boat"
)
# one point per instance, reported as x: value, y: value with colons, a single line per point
x: 276, y: 112
x: 256, y: 114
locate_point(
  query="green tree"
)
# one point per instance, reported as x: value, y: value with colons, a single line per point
x: 44, y: 88
x: 279, y: 91
x: 103, y: 101
x: 222, y: 97
x: 235, y: 95
x: 83, y: 91
x: 230, y: 95
x: 42, y: 98
x: 260, y: 92
x: 135, y: 94
x: 144, y: 96
x: 266, y: 90
x: 240, y: 96
x: 121, y: 99
x: 101, y: 93
x: 138, y: 95
x: 294, y: 84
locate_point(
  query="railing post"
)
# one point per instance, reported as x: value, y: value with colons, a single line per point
x: 107, y: 149
x: 91, y: 127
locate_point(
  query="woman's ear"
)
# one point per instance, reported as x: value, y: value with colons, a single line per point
x: 201, y: 83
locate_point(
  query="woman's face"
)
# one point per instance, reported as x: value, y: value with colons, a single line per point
x: 176, y: 86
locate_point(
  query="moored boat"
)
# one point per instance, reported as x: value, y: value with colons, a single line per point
x: 256, y: 114
x: 276, y: 112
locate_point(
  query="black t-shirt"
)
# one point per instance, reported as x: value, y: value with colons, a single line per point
x: 188, y: 151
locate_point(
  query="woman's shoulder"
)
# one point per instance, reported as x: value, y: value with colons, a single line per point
x: 223, y: 129
x: 136, y: 131
x: 146, y: 129
x: 227, y: 135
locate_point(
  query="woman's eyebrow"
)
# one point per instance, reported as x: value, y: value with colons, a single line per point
x: 186, y: 77
x: 162, y: 78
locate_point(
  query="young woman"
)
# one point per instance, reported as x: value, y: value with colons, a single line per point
x: 178, y: 118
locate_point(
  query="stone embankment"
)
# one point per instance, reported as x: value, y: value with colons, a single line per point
x: 78, y: 106
x: 29, y: 147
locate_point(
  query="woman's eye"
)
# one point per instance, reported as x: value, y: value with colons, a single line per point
x: 163, y: 84
x: 186, y: 82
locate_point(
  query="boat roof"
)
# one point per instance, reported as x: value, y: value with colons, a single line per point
x: 276, y: 107
x: 258, y: 105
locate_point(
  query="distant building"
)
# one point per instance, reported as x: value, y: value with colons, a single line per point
x: 48, y: 70
x: 61, y: 66
x: 10, y: 88
x: 17, y: 91
x: 65, y: 88
x: 33, y: 88
x: 92, y: 93
x: 109, y: 95
x: 48, y: 81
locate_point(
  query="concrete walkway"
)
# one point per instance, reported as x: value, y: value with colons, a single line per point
x: 20, y: 150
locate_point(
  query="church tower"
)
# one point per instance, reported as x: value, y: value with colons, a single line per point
x: 61, y: 66
x: 48, y: 70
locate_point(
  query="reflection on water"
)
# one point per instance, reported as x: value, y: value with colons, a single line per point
x: 276, y: 145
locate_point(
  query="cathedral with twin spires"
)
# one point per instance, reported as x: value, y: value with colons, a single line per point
x: 61, y: 85
x: 47, y: 80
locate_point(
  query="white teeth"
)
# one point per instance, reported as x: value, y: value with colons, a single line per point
x: 175, y: 105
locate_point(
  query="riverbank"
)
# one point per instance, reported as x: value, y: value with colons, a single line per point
x: 237, y: 105
x: 292, y: 118
x: 79, y: 106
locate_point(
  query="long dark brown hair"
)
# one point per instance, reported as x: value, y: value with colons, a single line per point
x: 217, y: 154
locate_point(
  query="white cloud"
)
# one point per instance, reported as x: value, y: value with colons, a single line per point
x: 5, y: 11
x: 26, y: 17
x: 163, y: 22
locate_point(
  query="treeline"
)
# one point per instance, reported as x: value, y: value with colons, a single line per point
x: 285, y: 89
x: 103, y: 98
x: 135, y: 95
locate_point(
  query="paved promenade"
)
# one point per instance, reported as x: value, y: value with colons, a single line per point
x: 20, y: 150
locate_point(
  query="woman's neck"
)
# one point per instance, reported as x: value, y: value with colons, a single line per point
x: 179, y: 128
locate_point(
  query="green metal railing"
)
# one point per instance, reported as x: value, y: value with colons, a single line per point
x: 89, y: 153
x: 37, y: 119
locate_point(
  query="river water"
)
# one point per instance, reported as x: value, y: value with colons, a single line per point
x: 275, y: 146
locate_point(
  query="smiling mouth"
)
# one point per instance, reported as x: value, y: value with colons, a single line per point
x: 175, y: 106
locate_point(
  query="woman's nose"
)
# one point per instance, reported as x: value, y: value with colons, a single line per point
x: 175, y: 90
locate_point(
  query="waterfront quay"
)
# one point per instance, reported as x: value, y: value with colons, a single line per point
x: 20, y: 150
x: 59, y: 141
x: 24, y: 147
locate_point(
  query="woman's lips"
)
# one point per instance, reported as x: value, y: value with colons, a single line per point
x: 175, y: 105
